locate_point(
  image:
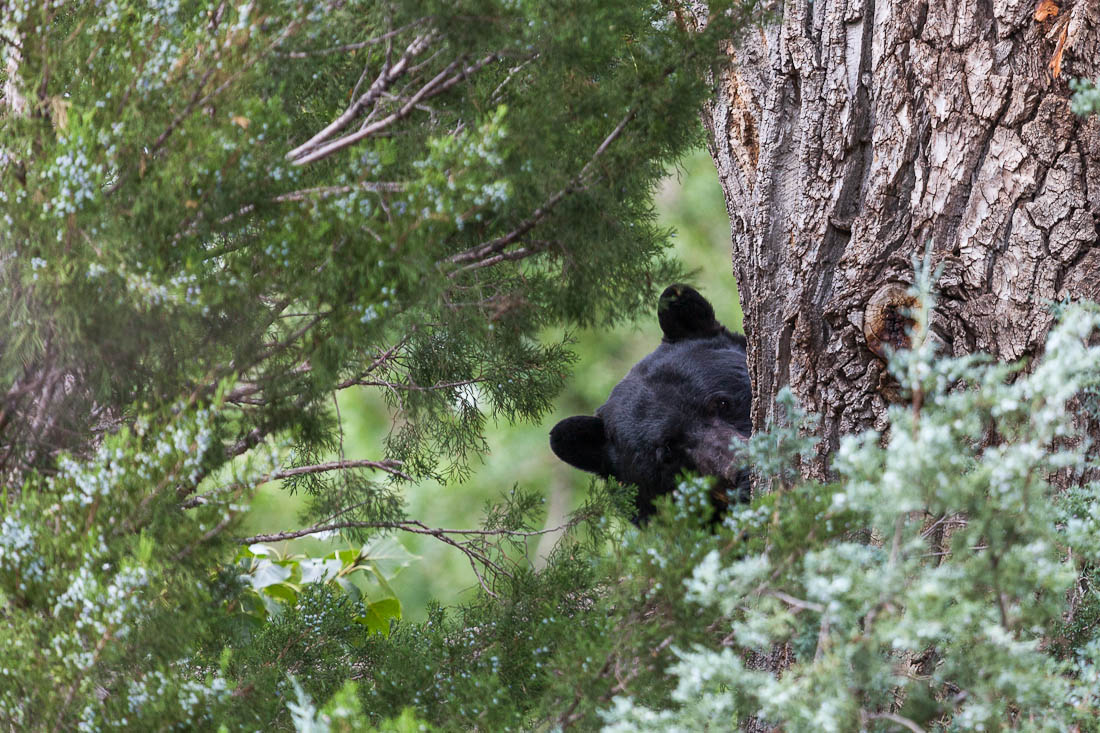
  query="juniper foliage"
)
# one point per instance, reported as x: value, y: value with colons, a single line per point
x: 217, y: 215
x: 1086, y: 97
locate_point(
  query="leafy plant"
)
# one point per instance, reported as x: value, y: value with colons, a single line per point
x: 276, y: 578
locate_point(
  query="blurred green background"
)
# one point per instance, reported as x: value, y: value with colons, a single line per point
x: 689, y: 202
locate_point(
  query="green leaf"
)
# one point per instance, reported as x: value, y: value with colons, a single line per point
x: 387, y: 555
x: 350, y: 588
x: 319, y: 571
x: 261, y: 550
x: 379, y: 614
x: 283, y: 592
x: 268, y: 573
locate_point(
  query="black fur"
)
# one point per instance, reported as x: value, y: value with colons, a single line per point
x: 678, y: 409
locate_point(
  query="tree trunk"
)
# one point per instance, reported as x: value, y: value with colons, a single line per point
x: 849, y: 136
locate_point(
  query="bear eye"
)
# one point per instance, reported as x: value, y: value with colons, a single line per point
x: 665, y: 453
x: 721, y: 405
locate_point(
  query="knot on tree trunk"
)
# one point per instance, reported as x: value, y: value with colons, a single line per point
x: 886, y: 319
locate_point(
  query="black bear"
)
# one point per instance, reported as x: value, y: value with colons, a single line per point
x: 678, y: 409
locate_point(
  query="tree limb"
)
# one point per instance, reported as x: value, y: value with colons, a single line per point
x: 386, y: 77
x: 437, y: 85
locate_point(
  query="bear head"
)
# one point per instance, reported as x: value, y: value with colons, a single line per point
x: 679, y: 409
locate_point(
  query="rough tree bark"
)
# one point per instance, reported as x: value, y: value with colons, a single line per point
x: 848, y: 135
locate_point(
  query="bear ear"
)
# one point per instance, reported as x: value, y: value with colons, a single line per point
x: 685, y: 314
x: 579, y: 441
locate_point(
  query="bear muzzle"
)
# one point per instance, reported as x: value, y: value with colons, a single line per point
x: 710, y: 450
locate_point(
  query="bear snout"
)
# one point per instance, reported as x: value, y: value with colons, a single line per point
x: 711, y: 453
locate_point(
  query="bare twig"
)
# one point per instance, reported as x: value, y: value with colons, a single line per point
x: 381, y: 359
x: 796, y: 602
x: 472, y: 551
x: 822, y: 637
x: 279, y: 346
x: 399, y: 386
x: 516, y: 254
x: 495, y: 96
x: 246, y: 389
x: 894, y: 718
x: 312, y: 151
x: 407, y: 525
x: 899, y: 524
x: 104, y: 638
x: 192, y: 103
x: 323, y: 191
x: 1002, y: 606
x: 470, y: 542
x: 339, y: 424
x: 292, y: 196
x: 389, y: 74
x: 388, y: 466
x: 207, y: 536
x: 248, y: 442
x: 13, y: 95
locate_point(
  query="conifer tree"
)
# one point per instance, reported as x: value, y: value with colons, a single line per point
x: 216, y: 216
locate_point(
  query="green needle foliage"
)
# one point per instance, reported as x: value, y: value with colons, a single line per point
x: 309, y: 197
x: 214, y: 217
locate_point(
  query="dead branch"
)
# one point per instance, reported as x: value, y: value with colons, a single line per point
x: 388, y: 75
x: 893, y: 718
x: 388, y: 466
x: 437, y: 85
